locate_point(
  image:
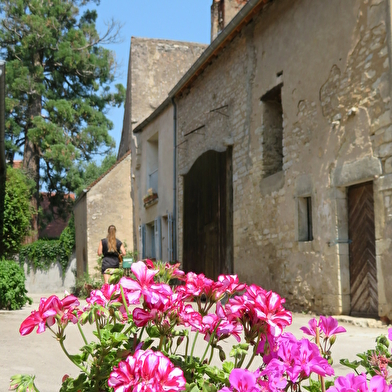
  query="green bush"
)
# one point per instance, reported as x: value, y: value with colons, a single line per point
x: 12, y: 286
x: 17, y: 211
x: 42, y: 254
x: 86, y: 284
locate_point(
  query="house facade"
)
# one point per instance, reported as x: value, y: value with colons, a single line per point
x: 285, y: 125
x: 107, y: 201
x: 155, y: 66
x: 154, y: 195
x: 283, y: 153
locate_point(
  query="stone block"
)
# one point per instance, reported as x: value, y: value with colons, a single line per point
x: 358, y: 171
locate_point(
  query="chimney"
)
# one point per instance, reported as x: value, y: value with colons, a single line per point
x: 222, y: 12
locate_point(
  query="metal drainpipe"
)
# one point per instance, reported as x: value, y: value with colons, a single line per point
x: 174, y: 179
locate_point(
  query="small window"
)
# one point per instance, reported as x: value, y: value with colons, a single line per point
x: 150, y: 241
x: 305, y: 226
x: 272, y: 131
x: 152, y: 163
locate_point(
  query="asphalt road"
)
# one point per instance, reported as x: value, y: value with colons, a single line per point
x: 41, y: 355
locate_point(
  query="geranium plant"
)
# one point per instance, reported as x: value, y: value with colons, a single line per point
x: 146, y: 334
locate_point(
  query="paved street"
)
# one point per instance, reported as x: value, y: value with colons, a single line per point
x: 41, y: 354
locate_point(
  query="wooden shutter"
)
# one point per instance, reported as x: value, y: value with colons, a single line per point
x: 158, y: 238
x: 170, y: 228
x: 142, y: 242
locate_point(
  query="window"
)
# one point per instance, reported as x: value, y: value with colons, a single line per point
x: 305, y: 226
x: 152, y: 163
x: 272, y: 113
x: 167, y: 237
x: 150, y: 241
x: 150, y: 245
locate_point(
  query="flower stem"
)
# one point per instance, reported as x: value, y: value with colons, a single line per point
x: 321, y: 378
x: 125, y: 302
x: 71, y: 359
x: 210, y: 341
x: 254, y: 352
x: 193, y: 345
x: 82, y: 333
x: 212, y: 354
x: 186, y: 348
x: 97, y: 324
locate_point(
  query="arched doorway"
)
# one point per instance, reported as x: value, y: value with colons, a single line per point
x: 208, y: 215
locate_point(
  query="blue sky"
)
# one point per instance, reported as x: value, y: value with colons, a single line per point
x: 186, y: 20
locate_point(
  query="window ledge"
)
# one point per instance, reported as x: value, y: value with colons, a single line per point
x: 306, y: 246
x: 150, y: 200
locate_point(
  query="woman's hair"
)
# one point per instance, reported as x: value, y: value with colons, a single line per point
x: 112, y: 239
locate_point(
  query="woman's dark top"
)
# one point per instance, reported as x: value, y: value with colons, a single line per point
x: 110, y: 259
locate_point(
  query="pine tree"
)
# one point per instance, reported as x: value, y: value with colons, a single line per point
x: 58, y: 88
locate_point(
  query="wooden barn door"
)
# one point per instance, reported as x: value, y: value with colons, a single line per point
x: 207, y: 214
x: 362, y: 248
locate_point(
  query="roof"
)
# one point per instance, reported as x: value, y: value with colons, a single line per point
x: 102, y: 176
x: 221, y: 41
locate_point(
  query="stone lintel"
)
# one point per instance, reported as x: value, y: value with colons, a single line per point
x: 362, y: 170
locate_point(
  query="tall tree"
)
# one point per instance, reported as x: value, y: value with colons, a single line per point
x: 58, y: 88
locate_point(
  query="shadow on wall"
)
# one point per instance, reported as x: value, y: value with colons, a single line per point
x: 51, y: 281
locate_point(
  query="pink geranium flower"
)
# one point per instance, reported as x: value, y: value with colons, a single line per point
x: 105, y: 295
x: 259, y: 311
x: 390, y: 333
x: 147, y: 371
x: 134, y: 289
x: 350, y: 383
x: 227, y: 284
x: 379, y: 384
x: 242, y: 380
x: 329, y: 326
x: 195, y: 286
x: 297, y: 359
x: 313, y: 325
x: 45, y: 316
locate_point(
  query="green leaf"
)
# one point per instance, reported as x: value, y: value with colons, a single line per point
x: 227, y: 367
x: 352, y: 365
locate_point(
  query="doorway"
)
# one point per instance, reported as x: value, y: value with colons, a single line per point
x: 362, y: 250
x: 208, y: 215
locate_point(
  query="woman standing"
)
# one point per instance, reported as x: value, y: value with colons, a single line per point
x: 111, y: 248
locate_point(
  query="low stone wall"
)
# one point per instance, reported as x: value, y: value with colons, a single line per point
x: 52, y: 281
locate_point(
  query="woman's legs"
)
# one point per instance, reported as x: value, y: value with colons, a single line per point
x: 106, y: 278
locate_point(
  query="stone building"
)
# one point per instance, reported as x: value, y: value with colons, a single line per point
x: 107, y: 201
x: 284, y: 153
x: 155, y: 66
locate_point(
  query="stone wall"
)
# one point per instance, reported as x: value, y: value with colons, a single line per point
x: 155, y: 66
x: 51, y: 281
x: 332, y: 60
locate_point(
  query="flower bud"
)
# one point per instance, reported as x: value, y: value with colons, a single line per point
x: 222, y: 355
x: 179, y: 340
x: 332, y: 340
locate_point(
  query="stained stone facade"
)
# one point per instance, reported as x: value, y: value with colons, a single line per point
x: 155, y: 66
x: 107, y: 201
x: 301, y: 93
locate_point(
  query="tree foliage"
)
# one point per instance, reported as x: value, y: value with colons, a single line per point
x: 90, y: 171
x: 58, y: 87
x: 17, y: 211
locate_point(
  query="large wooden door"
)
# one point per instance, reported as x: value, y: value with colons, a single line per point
x: 362, y: 248
x: 207, y: 240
